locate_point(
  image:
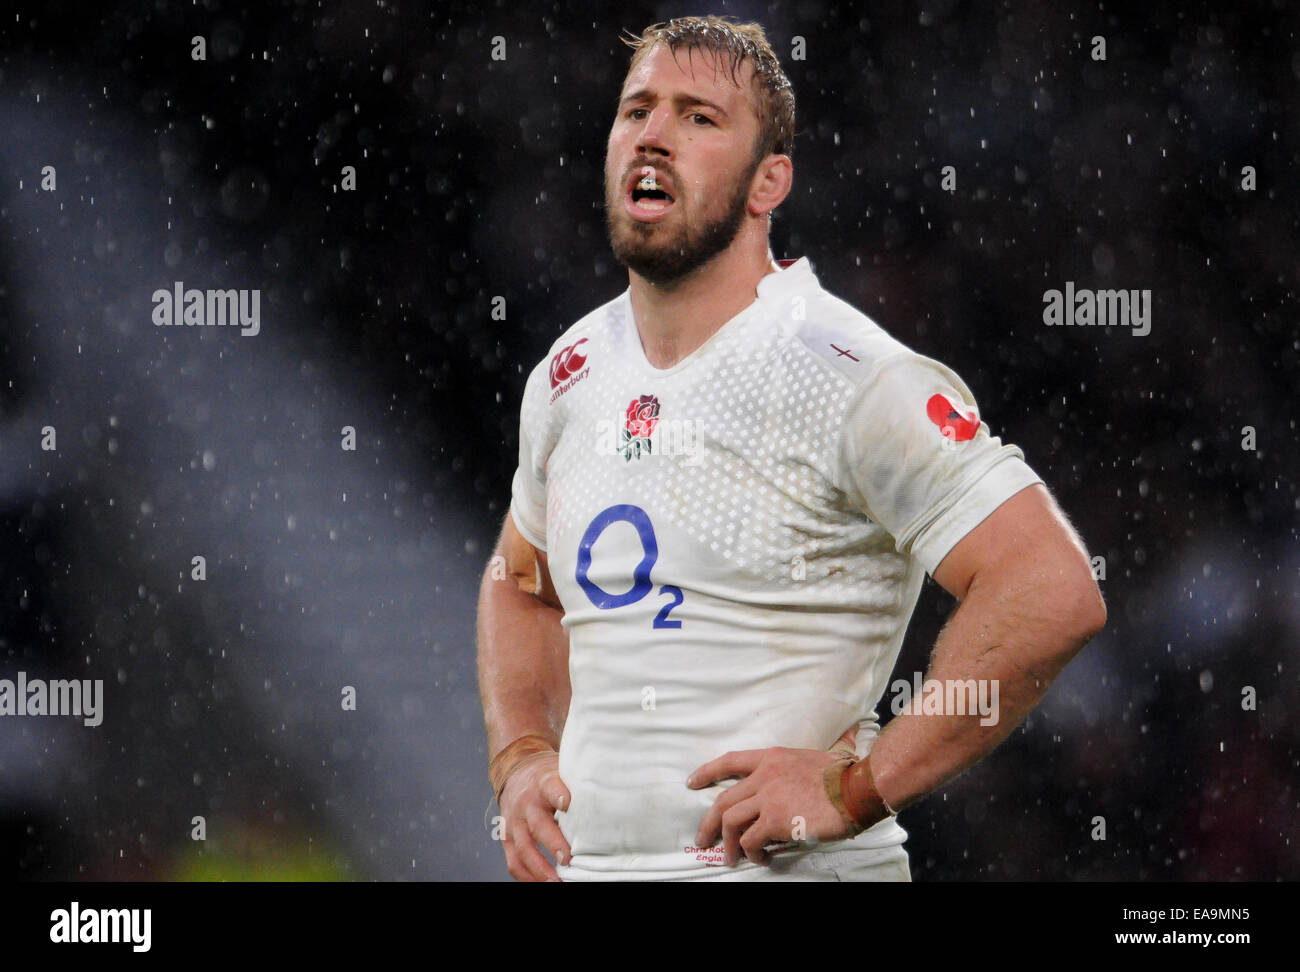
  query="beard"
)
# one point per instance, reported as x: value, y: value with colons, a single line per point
x: 663, y: 254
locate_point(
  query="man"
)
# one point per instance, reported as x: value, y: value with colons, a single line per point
x: 702, y: 623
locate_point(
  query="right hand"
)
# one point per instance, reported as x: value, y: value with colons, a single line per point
x: 532, y: 794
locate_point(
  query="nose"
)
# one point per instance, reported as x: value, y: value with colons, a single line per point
x: 653, y: 137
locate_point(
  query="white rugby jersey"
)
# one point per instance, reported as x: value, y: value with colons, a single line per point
x: 738, y: 542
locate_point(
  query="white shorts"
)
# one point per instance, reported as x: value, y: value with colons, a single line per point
x: 849, y: 864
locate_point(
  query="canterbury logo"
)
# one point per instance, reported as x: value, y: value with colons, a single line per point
x: 567, y: 363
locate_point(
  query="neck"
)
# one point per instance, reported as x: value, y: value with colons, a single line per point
x: 675, y: 319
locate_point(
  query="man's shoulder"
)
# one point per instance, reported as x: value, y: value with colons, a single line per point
x: 586, y: 327
x: 838, y: 335
x: 567, y: 353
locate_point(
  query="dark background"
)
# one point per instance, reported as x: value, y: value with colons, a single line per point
x: 479, y: 178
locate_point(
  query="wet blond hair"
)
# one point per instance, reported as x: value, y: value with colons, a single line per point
x: 735, y: 44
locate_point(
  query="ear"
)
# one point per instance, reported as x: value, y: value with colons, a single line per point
x: 771, y: 183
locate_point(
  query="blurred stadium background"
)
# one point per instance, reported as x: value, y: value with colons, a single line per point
x: 479, y: 178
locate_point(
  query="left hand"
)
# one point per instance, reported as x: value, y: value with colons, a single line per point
x: 776, y: 787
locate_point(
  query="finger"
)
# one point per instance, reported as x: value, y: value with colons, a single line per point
x: 711, y: 824
x: 522, y: 846
x: 555, y: 792
x: 734, y: 823
x: 550, y: 836
x: 736, y: 763
x: 531, y: 858
x: 515, y: 866
x: 847, y: 744
x: 760, y: 833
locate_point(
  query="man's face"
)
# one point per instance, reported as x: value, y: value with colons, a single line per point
x: 698, y: 131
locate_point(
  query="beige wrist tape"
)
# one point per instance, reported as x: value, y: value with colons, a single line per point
x: 508, y: 760
x: 833, y: 778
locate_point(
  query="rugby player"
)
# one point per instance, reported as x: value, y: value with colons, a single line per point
x: 731, y: 485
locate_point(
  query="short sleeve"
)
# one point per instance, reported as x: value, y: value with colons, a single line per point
x: 915, y: 457
x: 528, y: 489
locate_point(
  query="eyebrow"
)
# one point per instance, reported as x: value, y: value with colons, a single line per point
x: 643, y: 93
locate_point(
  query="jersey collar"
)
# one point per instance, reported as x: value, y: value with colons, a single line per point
x: 793, y: 275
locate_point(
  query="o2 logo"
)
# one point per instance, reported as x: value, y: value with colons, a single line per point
x: 641, y: 583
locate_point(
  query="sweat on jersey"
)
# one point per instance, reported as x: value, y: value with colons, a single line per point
x: 738, y: 542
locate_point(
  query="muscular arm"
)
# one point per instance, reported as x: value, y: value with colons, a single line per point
x: 1028, y: 605
x: 523, y: 673
x: 523, y: 652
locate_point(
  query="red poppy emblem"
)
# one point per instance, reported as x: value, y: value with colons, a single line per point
x: 943, y: 414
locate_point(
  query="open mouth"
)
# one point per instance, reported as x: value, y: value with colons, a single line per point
x: 648, y: 196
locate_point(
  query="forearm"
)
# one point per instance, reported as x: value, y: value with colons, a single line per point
x: 523, y: 664
x: 1017, y: 635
